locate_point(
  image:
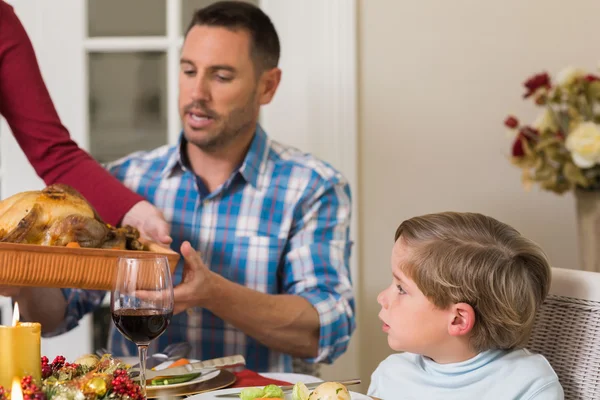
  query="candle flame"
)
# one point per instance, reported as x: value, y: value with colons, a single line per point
x: 16, y: 315
x: 16, y: 393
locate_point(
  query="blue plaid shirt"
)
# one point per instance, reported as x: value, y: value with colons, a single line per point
x: 279, y: 224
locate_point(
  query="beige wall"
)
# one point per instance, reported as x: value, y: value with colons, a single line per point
x: 436, y: 81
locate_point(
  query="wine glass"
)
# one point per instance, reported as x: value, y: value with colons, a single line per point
x: 141, y: 302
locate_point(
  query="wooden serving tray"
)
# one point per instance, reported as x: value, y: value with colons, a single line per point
x: 63, y: 267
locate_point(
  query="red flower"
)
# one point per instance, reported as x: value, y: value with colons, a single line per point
x: 511, y: 122
x: 592, y: 78
x: 525, y: 134
x: 535, y: 82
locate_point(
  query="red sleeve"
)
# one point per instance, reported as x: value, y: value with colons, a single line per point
x: 30, y: 113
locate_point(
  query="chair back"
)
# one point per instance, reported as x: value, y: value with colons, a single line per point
x: 567, y: 332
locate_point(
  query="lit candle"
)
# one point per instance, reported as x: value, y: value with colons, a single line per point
x: 20, y: 348
x: 16, y: 393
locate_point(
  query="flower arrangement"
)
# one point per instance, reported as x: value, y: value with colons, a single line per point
x: 560, y: 150
x: 88, y: 378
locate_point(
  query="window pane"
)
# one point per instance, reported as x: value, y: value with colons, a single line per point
x: 188, y: 7
x: 127, y: 18
x: 128, y: 103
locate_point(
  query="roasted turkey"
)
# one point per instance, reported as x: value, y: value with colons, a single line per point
x: 59, y: 215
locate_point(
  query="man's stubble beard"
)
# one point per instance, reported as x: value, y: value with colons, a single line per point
x: 239, y: 121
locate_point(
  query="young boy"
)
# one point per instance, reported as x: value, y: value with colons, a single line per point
x: 462, y: 302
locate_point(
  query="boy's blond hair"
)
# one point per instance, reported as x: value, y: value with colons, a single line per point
x: 474, y: 259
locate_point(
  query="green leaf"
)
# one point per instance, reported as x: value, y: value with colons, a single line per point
x: 273, y: 391
x: 252, y: 393
x: 574, y: 175
x: 548, y: 141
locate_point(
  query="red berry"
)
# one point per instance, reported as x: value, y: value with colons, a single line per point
x: 511, y: 122
x: 58, y: 362
x: 46, y: 371
x: 59, y: 359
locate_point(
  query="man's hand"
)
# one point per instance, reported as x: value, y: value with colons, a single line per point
x: 149, y: 221
x: 194, y: 289
x: 284, y: 322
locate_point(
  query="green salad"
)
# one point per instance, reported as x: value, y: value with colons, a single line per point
x: 299, y: 392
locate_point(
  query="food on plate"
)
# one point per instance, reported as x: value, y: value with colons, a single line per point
x: 172, y: 380
x: 300, y: 392
x: 271, y: 392
x: 179, y: 363
x: 60, y: 216
x: 330, y: 391
x: 325, y: 391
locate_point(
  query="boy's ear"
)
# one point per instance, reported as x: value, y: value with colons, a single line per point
x: 462, y: 319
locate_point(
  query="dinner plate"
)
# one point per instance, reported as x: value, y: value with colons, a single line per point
x: 201, y: 378
x: 211, y: 381
x: 129, y: 360
x: 286, y: 377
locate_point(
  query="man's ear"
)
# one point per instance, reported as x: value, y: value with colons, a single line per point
x: 462, y: 319
x: 269, y: 81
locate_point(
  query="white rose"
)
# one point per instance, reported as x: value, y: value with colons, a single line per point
x: 545, y: 121
x: 584, y: 144
x: 569, y: 75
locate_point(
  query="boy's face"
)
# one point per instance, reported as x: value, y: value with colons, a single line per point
x: 412, y: 323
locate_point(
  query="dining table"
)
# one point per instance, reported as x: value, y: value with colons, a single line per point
x: 233, y: 380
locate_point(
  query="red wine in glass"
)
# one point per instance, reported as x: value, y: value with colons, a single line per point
x: 141, y: 302
x: 141, y: 326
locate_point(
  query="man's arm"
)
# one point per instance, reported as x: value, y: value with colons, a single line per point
x: 315, y: 318
x: 57, y: 310
x: 285, y: 323
x: 56, y: 158
x: 30, y: 113
x: 44, y: 305
x: 318, y: 262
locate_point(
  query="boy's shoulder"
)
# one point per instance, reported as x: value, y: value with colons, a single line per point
x: 527, y: 359
x: 519, y: 359
x: 530, y: 370
x: 500, y: 374
x: 528, y: 363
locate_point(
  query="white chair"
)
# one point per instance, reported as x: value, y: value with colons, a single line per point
x: 567, y: 332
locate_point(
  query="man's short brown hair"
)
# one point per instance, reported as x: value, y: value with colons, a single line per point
x: 233, y: 15
x: 474, y: 259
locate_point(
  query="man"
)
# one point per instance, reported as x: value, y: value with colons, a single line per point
x: 270, y: 279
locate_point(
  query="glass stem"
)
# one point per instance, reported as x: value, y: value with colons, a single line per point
x: 143, y: 352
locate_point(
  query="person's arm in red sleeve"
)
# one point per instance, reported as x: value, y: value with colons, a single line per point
x: 27, y: 107
x: 30, y: 113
